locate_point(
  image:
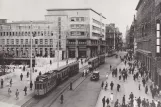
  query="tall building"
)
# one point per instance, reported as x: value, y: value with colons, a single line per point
x: 146, y: 37
x: 86, y: 31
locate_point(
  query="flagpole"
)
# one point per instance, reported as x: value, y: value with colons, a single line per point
x: 31, y: 52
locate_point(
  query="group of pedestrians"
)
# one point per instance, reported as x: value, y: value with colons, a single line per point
x: 138, y: 75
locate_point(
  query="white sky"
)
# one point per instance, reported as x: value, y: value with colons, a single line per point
x: 120, y: 12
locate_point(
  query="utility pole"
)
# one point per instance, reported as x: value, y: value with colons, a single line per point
x: 31, y: 52
x: 114, y: 37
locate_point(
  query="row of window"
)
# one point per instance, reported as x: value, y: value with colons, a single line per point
x: 97, y: 28
x: 26, y: 41
x: 77, y: 19
x: 97, y: 22
x: 77, y: 33
x: 42, y: 33
x: 77, y: 26
x: 24, y: 27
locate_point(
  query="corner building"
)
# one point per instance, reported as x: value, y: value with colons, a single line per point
x: 86, y: 31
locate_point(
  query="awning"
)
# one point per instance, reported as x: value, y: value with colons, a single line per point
x: 144, y: 52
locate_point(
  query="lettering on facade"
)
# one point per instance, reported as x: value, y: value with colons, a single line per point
x: 59, y: 32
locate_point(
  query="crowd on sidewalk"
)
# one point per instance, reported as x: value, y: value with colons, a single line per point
x: 139, y: 75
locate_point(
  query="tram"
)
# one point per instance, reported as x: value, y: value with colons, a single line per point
x: 96, y: 61
x: 46, y: 82
x: 102, y: 59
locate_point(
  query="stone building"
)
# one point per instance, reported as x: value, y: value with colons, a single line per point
x: 145, y: 35
x: 111, y: 33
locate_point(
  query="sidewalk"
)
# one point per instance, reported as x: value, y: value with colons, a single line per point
x: 126, y: 88
x: 10, y: 101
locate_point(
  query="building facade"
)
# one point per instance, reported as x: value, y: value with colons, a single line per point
x: 15, y: 39
x: 76, y: 32
x: 145, y: 36
x: 86, y: 31
x: 113, y: 33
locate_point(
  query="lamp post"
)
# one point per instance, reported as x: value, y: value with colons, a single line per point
x: 114, y: 38
x: 31, y: 52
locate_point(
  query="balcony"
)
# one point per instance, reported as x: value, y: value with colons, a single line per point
x: 82, y: 43
x: 71, y: 43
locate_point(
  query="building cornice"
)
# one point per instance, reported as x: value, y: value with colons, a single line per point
x: 137, y: 7
x: 66, y: 9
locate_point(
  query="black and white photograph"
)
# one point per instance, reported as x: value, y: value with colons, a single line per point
x: 80, y: 53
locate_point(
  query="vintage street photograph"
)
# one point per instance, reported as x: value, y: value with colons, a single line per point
x: 80, y: 53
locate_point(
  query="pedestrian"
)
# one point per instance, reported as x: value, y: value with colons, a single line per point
x: 139, y: 101
x: 134, y: 77
x: 123, y: 100
x: 17, y: 94
x: 21, y: 76
x: 31, y: 84
x: 139, y: 86
x: 146, y: 89
x: 9, y: 91
x: 102, y: 84
x: 111, y: 97
x: 153, y: 104
x: 147, y: 103
x: 103, y: 101
x: 131, y: 96
x: 112, y: 84
x: 61, y: 98
x: 135, y: 103
x: 143, y: 82
x: 116, y: 103
x: 27, y: 74
x: 11, y: 82
x: 143, y: 102
x: 40, y: 73
x: 118, y: 87
x: 159, y: 104
x: 120, y: 77
x: 107, y: 102
x: 2, y: 83
x: 110, y: 67
x: 106, y: 86
x: 25, y: 89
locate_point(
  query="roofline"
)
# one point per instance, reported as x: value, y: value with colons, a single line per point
x: 60, y: 9
x: 138, y: 5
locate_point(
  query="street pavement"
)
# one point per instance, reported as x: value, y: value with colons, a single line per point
x: 86, y: 92
x: 10, y: 100
x: 126, y: 88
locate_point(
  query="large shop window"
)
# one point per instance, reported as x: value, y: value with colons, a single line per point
x: 82, y: 54
x: 71, y: 54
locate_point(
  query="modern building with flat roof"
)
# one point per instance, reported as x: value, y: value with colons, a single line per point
x: 80, y: 31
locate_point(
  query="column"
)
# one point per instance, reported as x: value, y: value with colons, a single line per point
x: 88, y: 52
x: 67, y: 53
x: 43, y: 52
x: 76, y: 51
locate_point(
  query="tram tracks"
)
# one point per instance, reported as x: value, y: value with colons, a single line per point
x: 54, y: 94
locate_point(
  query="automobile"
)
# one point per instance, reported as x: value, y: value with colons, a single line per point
x: 95, y: 76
